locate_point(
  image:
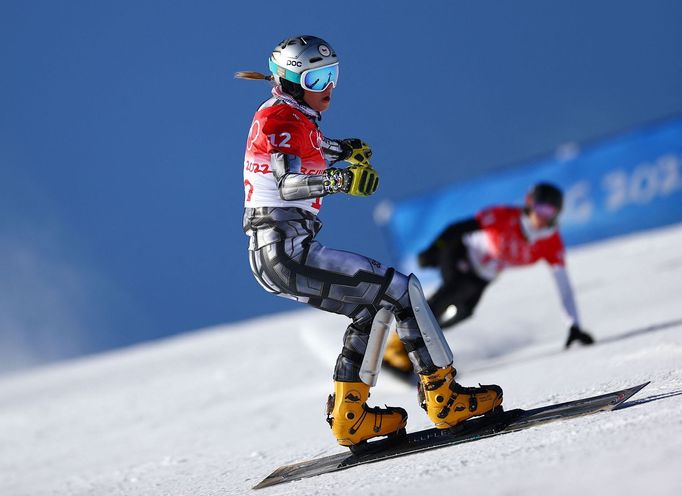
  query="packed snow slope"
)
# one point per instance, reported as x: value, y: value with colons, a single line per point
x: 213, y: 412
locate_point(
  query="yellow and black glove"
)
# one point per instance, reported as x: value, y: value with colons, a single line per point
x: 355, y: 152
x: 356, y: 180
x: 365, y: 180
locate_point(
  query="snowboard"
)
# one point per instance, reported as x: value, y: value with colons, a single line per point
x: 493, y: 424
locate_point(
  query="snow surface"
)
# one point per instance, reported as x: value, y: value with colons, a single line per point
x: 215, y: 411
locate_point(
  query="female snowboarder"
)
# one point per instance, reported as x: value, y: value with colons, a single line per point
x: 287, y: 173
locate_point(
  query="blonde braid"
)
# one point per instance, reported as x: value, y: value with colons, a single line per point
x: 253, y: 75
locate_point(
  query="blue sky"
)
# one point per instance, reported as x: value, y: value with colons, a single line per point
x: 122, y: 135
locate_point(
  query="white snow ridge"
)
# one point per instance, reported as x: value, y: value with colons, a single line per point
x: 214, y: 412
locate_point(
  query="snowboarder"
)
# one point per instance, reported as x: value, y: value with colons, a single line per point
x: 289, y: 167
x: 471, y: 253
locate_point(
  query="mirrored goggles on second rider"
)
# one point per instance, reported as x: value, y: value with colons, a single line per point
x: 546, y: 212
x: 319, y: 78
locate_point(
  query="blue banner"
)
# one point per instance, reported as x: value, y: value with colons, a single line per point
x: 616, y: 186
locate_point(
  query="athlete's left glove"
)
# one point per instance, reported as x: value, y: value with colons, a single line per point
x: 355, y: 152
x: 351, y: 150
x: 354, y: 180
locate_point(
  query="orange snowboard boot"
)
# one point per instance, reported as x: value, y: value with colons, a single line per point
x: 353, y: 422
x: 395, y: 355
x: 447, y: 403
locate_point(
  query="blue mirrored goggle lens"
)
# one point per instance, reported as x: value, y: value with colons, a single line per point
x: 545, y: 211
x: 319, y: 79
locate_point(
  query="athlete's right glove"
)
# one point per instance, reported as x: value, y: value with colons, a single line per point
x: 356, y: 180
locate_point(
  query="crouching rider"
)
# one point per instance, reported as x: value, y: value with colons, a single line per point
x: 289, y: 168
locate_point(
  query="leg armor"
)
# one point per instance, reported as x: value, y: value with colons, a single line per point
x: 438, y: 347
x: 345, y: 283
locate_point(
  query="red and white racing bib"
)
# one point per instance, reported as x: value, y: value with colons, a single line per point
x: 285, y: 129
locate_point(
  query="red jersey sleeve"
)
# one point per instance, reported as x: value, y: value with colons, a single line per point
x: 492, y: 216
x: 553, y: 250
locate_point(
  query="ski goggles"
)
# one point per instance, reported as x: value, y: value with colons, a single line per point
x: 546, y: 212
x: 315, y: 80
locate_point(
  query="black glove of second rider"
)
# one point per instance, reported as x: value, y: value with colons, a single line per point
x: 575, y: 333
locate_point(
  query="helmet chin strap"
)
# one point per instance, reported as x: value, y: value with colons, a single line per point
x: 278, y: 93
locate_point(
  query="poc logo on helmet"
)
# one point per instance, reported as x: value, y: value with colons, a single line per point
x: 295, y: 63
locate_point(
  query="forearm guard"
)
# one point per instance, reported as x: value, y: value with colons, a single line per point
x: 334, y: 151
x: 291, y: 183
